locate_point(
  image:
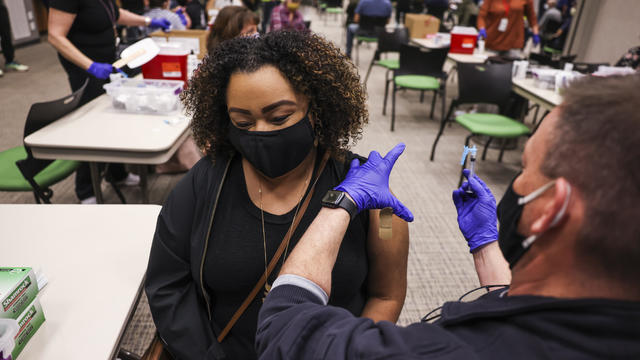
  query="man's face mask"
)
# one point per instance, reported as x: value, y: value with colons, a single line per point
x: 512, y: 244
x: 275, y: 153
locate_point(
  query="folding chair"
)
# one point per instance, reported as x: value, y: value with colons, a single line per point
x: 419, y: 70
x: 388, y: 42
x: 20, y: 171
x: 488, y: 84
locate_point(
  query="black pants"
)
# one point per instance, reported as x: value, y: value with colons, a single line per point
x: 116, y: 172
x: 5, y: 34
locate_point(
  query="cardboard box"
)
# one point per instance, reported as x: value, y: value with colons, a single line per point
x: 420, y: 25
x: 18, y: 288
x: 195, y: 40
x: 15, y: 334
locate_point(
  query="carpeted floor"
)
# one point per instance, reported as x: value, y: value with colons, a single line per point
x: 440, y: 266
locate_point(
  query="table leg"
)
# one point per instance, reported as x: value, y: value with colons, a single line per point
x: 95, y: 181
x: 143, y: 184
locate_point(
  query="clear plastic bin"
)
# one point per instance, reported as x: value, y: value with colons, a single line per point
x: 145, y: 96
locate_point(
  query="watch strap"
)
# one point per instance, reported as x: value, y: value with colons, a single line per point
x: 345, y: 203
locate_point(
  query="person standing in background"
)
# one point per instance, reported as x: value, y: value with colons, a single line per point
x: 160, y: 9
x: 6, y: 42
x: 286, y: 16
x: 501, y: 23
x: 436, y: 7
x: 196, y: 13
x: 84, y: 34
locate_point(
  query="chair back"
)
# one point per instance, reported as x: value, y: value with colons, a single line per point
x: 371, y: 25
x: 334, y: 3
x: 41, y: 115
x: 484, y: 83
x: 391, y: 41
x: 416, y: 61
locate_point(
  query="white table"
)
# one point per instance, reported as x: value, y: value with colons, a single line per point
x: 548, y: 99
x: 432, y: 43
x: 95, y: 277
x: 475, y: 58
x: 96, y: 132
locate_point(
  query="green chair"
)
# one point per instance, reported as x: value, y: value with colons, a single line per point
x: 489, y: 84
x: 419, y: 70
x: 332, y: 7
x: 388, y: 42
x: 20, y: 171
x: 552, y: 51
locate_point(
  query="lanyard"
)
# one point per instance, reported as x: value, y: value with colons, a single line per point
x: 505, y: 3
x: 111, y: 11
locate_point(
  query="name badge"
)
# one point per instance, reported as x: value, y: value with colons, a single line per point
x: 502, y: 27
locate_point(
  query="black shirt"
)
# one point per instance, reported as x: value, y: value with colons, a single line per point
x: 294, y: 325
x: 92, y: 31
x: 235, y: 258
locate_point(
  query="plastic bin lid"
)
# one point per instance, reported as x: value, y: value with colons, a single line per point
x: 173, y: 49
x: 8, y: 330
x: 464, y: 30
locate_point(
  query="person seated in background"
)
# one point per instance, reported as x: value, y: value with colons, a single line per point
x: 196, y: 13
x: 568, y: 231
x: 160, y: 9
x: 557, y: 39
x: 551, y: 14
x: 631, y: 58
x: 372, y: 8
x: 232, y: 21
x: 286, y: 16
x: 276, y: 115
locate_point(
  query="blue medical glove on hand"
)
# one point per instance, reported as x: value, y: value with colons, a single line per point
x: 536, y: 39
x: 183, y: 19
x: 477, y: 217
x: 100, y: 70
x: 162, y: 23
x: 482, y: 33
x: 368, y: 184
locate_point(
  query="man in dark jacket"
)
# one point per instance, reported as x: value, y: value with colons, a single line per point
x: 568, y: 232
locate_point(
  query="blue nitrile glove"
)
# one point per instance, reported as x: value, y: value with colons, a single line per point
x: 183, y: 19
x: 162, y: 23
x: 368, y: 184
x: 536, y: 39
x: 100, y: 70
x: 477, y: 217
x: 482, y: 33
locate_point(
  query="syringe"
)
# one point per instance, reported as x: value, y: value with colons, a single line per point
x: 471, y: 151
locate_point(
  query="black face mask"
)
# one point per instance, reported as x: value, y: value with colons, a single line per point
x: 509, y: 239
x: 275, y: 153
x: 513, y: 244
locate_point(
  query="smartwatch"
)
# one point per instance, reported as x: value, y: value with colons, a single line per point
x: 339, y: 199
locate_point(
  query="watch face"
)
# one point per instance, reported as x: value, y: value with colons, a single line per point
x: 333, y: 196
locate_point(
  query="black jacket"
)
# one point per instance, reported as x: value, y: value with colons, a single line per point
x: 294, y: 325
x: 174, y: 283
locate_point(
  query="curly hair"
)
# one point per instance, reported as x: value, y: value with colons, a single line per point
x: 229, y: 24
x: 315, y: 68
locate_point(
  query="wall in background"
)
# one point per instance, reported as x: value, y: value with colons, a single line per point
x: 606, y: 30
